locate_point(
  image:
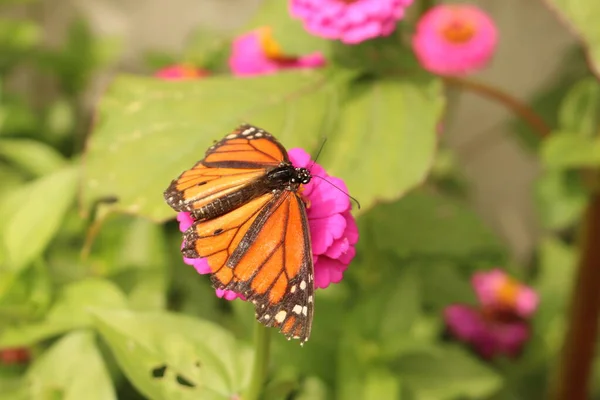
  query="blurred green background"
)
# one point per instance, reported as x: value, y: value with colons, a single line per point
x: 94, y: 290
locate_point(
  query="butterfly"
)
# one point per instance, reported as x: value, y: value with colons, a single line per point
x: 250, y: 224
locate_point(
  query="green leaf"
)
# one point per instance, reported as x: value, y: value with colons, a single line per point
x: 33, y: 157
x: 18, y: 36
x: 137, y: 260
x: 443, y: 284
x: 13, y: 388
x: 385, y: 141
x: 580, y: 109
x: 429, y: 225
x: 381, y: 384
x: 32, y: 223
x: 163, y: 128
x: 168, y: 356
x: 403, y: 306
x: 449, y: 374
x: 71, y: 311
x: 25, y: 294
x: 569, y: 150
x: 561, y: 198
x: 72, y: 369
x: 583, y: 16
x: 313, y: 389
x: 558, y: 263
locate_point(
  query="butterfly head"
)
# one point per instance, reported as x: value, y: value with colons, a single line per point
x: 302, y: 175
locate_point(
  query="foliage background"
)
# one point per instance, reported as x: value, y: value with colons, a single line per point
x: 88, y: 299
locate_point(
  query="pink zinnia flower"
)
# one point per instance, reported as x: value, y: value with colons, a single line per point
x: 180, y: 72
x: 498, y: 291
x: 257, y: 53
x: 333, y: 230
x: 350, y: 21
x: 488, y: 336
x: 499, y: 325
x: 454, y: 39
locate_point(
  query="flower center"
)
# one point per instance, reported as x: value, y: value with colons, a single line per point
x: 271, y: 48
x: 508, y: 293
x: 458, y: 30
x: 189, y: 71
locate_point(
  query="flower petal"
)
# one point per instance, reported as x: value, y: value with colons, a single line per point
x: 200, y: 264
x: 229, y: 295
x: 185, y: 221
x: 323, y: 231
x: 466, y: 323
x: 328, y: 271
x: 350, y: 21
x: 454, y: 39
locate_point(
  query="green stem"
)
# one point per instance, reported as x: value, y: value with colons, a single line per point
x: 577, y: 357
x: 262, y: 342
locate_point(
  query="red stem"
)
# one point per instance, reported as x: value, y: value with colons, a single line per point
x: 522, y: 110
x: 578, y: 350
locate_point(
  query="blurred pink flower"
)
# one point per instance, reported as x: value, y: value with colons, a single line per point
x: 350, y: 21
x: 489, y: 337
x: 332, y: 227
x: 454, y: 39
x: 180, y: 72
x: 498, y: 291
x: 257, y: 53
x: 499, y: 324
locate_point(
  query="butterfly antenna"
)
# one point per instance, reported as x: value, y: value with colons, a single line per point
x: 317, y: 156
x: 340, y: 189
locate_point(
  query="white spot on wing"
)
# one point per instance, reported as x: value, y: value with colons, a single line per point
x: 304, y: 310
x: 267, y: 317
x: 303, y: 285
x: 231, y: 136
x: 280, y: 316
x: 310, y: 299
x: 259, y: 134
x: 297, y: 309
x: 293, y: 289
x: 248, y: 131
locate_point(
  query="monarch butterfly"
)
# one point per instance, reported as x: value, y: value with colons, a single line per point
x: 250, y: 224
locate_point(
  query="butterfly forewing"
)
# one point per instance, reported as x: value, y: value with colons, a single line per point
x: 254, y: 235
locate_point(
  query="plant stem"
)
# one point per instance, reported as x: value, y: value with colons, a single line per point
x: 578, y: 348
x: 521, y: 109
x: 262, y: 342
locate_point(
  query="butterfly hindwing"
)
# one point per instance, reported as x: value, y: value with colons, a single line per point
x: 272, y: 267
x: 265, y: 256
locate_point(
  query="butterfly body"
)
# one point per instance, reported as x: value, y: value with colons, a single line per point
x: 283, y: 177
x: 250, y: 225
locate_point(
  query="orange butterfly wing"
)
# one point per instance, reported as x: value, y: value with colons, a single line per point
x: 238, y: 160
x: 262, y: 250
x: 261, y: 247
